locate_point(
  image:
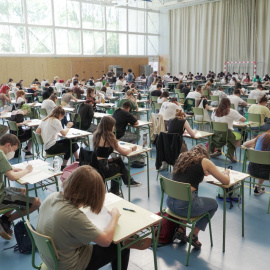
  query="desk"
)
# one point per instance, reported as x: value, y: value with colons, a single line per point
x: 74, y: 133
x: 68, y: 109
x: 131, y: 223
x: 199, y: 136
x: 235, y: 177
x: 40, y: 173
x: 144, y: 110
x: 140, y: 151
x: 141, y: 124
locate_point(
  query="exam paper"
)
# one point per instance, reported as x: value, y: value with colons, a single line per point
x: 35, y: 176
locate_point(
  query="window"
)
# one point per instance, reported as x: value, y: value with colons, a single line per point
x: 136, y: 44
x: 136, y: 21
x: 93, y: 16
x: 12, y: 39
x: 11, y: 11
x: 93, y: 43
x: 152, y: 45
x: 153, y: 22
x: 67, y: 13
x: 68, y: 41
x: 116, y: 19
x: 39, y: 12
x: 40, y: 40
x: 116, y: 43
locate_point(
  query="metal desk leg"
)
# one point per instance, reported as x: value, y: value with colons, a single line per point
x: 243, y: 213
x: 148, y: 174
x: 154, y: 247
x: 71, y: 154
x: 119, y: 256
x: 224, y: 218
x: 128, y: 179
x: 27, y: 201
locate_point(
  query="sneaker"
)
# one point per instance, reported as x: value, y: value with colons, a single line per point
x: 3, y: 232
x: 141, y: 244
x: 216, y: 154
x: 6, y: 224
x: 259, y: 190
x: 28, y: 154
x: 25, y: 149
x: 232, y: 159
x: 117, y: 193
x: 133, y: 183
x: 163, y: 167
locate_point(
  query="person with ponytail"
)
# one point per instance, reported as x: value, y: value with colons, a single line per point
x: 49, y: 129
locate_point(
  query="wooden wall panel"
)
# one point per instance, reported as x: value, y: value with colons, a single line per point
x: 29, y: 68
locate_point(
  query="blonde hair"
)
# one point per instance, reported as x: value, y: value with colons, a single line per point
x: 57, y: 111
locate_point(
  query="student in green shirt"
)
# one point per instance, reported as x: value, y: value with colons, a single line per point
x: 11, y: 196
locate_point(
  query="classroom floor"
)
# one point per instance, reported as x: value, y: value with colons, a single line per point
x: 249, y: 252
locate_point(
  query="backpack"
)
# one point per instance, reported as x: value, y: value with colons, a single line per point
x: 68, y: 170
x: 24, y: 243
x: 167, y: 230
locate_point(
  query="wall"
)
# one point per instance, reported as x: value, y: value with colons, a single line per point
x: 164, y: 64
x: 29, y: 68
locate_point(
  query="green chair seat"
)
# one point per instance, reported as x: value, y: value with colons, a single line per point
x: 168, y: 211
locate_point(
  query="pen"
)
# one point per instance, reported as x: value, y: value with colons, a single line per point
x: 131, y: 210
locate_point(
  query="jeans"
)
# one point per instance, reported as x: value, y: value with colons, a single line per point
x: 104, y: 255
x: 199, y: 206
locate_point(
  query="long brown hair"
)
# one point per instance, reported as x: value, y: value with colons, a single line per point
x: 89, y: 90
x: 194, y: 156
x: 105, y: 131
x: 57, y: 111
x: 179, y: 114
x: 85, y: 187
x: 223, y: 108
x: 20, y: 93
x: 265, y: 140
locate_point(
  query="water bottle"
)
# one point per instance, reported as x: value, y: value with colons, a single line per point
x: 145, y: 140
x: 56, y: 164
x: 246, y: 116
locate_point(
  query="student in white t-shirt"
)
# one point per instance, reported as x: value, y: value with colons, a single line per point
x: 257, y: 93
x: 220, y: 93
x: 163, y: 97
x: 49, y: 129
x: 48, y: 102
x: 168, y: 110
x: 195, y: 94
x: 224, y: 113
x: 236, y: 100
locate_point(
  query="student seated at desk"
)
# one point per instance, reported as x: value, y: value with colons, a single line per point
x: 178, y: 125
x: 236, y: 100
x: 5, y: 94
x: 72, y: 232
x: 257, y: 93
x: 158, y: 91
x: 49, y: 129
x: 77, y: 90
x: 163, y: 97
x: 20, y: 97
x: 24, y: 134
x: 132, y: 100
x: 224, y: 113
x: 86, y: 113
x: 191, y: 167
x: 260, y: 143
x: 105, y: 143
x: 67, y: 97
x: 11, y: 196
x: 203, y: 103
x: 48, y: 102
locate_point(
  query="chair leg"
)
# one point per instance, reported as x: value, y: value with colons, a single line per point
x: 210, y: 229
x: 189, y: 243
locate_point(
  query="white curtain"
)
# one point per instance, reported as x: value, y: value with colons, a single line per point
x: 203, y: 37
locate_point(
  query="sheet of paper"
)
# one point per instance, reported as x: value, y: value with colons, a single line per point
x: 35, y: 176
x: 35, y: 164
x: 111, y: 198
x: 101, y: 220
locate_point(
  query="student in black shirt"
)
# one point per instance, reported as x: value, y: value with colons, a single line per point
x: 186, y: 89
x: 157, y: 92
x: 123, y: 117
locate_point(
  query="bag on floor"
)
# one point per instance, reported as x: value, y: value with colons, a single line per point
x: 24, y: 243
x: 137, y: 161
x: 167, y: 230
x: 68, y: 170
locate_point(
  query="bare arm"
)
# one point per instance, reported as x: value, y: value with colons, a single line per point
x: 250, y: 144
x: 15, y: 175
x: 189, y: 129
x: 65, y: 131
x: 124, y: 151
x: 73, y: 98
x: 243, y: 104
x: 243, y: 119
x: 210, y: 167
x: 106, y: 237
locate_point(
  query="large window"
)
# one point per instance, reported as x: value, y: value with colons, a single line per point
x: 77, y: 27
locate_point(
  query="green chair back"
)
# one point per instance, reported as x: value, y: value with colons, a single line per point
x: 232, y: 106
x: 154, y: 98
x: 254, y: 117
x: 251, y: 101
x: 40, y: 99
x: 12, y: 95
x: 220, y: 126
x: 205, y: 93
x: 42, y: 112
x: 58, y: 102
x: 78, y: 119
x: 157, y: 106
x: 214, y: 98
x: 1, y: 103
x: 197, y: 111
x: 13, y: 127
x: 75, y: 95
x: 44, y: 244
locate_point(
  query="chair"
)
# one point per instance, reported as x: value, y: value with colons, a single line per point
x: 153, y: 100
x: 76, y: 119
x: 180, y: 191
x: 45, y: 246
x: 58, y: 102
x: 40, y: 152
x: 42, y: 112
x: 188, y: 104
x: 215, y: 98
x: 89, y: 158
x: 198, y: 112
x: 255, y: 118
x: 232, y: 106
x: 251, y: 101
x: 259, y: 157
x: 157, y: 107
x: 14, y: 128
x: 40, y: 99
x: 221, y: 127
